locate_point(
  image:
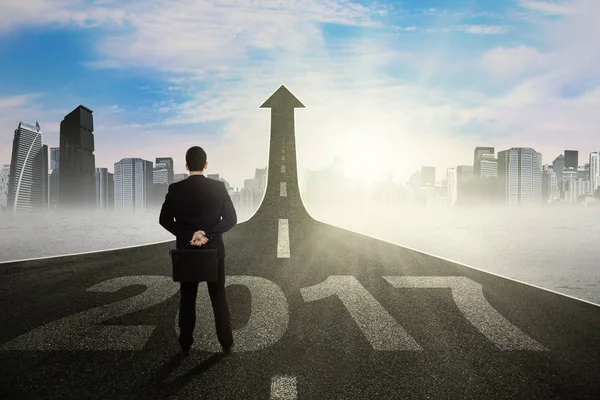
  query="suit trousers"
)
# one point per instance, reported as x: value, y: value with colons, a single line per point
x: 187, y: 310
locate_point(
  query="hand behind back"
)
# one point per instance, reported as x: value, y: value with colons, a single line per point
x: 199, y: 238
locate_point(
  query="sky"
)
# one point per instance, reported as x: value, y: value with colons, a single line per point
x: 388, y: 86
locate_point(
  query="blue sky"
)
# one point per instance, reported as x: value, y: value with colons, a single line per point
x: 397, y: 84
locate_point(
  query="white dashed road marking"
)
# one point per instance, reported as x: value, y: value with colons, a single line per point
x: 283, y: 388
x: 283, y: 189
x: 283, y: 168
x: 283, y: 239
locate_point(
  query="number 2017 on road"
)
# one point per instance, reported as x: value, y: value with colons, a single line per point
x: 269, y: 315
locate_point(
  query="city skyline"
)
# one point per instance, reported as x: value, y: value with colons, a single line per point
x: 480, y: 151
x: 377, y: 81
x: 79, y: 167
x: 512, y: 176
x: 40, y: 177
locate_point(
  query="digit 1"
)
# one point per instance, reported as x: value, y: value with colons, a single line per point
x: 378, y: 326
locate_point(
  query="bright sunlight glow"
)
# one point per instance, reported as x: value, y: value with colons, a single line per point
x: 360, y: 158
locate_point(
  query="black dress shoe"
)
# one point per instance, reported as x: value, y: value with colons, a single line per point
x: 227, y: 350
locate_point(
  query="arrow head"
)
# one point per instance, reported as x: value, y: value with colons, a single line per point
x: 282, y: 98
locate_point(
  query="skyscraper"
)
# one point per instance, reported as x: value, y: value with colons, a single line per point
x: 464, y: 173
x: 28, y: 180
x: 77, y: 164
x: 45, y: 181
x: 52, y: 188
x: 168, y: 164
x: 4, y: 176
x: 54, y: 157
x: 595, y: 170
x: 104, y: 188
x: 558, y: 166
x: 575, y: 188
x: 427, y: 176
x: 180, y: 177
x: 479, y: 151
x: 520, y: 176
x: 133, y: 184
x: 550, y: 191
x: 452, y: 185
x: 488, y: 166
x: 53, y: 177
x: 583, y: 172
x: 217, y: 177
x: 227, y: 185
x: 162, y: 177
x: 261, y: 175
x: 571, y: 159
x: 464, y: 178
x: 252, y: 184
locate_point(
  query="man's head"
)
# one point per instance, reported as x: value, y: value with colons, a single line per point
x: 195, y: 159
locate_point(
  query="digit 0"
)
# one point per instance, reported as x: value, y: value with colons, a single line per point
x: 268, y: 321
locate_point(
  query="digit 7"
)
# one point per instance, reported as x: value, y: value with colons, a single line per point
x: 469, y: 298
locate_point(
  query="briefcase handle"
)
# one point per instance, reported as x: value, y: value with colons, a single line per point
x: 170, y: 251
x: 188, y: 244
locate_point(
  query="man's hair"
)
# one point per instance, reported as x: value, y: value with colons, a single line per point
x: 195, y: 158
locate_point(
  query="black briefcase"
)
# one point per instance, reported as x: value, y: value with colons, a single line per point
x: 195, y: 264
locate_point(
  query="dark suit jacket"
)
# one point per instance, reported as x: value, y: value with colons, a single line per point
x: 198, y: 203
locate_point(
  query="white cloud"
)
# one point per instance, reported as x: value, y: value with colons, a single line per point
x: 482, y: 29
x: 211, y: 37
x: 546, y: 7
x: 213, y: 47
x: 41, y: 12
x: 12, y: 103
x: 115, y: 108
x: 471, y: 29
x: 515, y: 61
x: 405, y: 28
x: 575, y: 37
x: 570, y: 51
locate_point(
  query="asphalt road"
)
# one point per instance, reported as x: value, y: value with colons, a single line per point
x: 318, y: 312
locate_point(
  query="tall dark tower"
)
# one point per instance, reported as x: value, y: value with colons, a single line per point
x: 77, y: 188
x: 571, y: 159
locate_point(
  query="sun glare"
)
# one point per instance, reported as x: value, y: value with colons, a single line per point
x: 362, y: 158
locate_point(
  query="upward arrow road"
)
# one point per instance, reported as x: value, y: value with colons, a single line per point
x: 318, y: 312
x: 282, y: 193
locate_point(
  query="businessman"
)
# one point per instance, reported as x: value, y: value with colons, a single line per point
x: 198, y: 210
